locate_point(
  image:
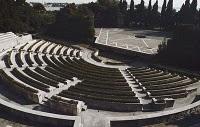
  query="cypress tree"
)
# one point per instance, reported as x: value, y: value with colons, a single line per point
x: 181, y: 14
x: 148, y: 20
x: 142, y: 5
x: 163, y: 14
x: 141, y: 12
x: 149, y: 6
x: 169, y: 7
x: 186, y: 15
x: 155, y: 14
x: 132, y: 6
x: 187, y: 3
x: 124, y: 6
x: 20, y: 2
x: 121, y: 5
x: 199, y: 17
x: 155, y: 7
x: 164, y: 6
x: 132, y: 10
x: 169, y: 15
x: 194, y: 6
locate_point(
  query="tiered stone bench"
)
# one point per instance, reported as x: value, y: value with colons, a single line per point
x: 60, y: 79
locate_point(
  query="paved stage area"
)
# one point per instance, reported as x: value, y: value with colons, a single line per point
x: 125, y: 38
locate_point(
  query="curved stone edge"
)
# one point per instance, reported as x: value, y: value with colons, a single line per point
x: 87, y: 56
x: 154, y: 118
x: 38, y: 116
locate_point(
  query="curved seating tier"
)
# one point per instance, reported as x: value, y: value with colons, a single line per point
x: 161, y: 84
x: 45, y: 66
x: 45, y: 69
x: 50, y: 75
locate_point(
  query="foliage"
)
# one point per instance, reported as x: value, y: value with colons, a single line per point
x: 183, y: 49
x: 18, y: 16
x: 107, y: 13
x: 74, y: 23
x: 39, y: 7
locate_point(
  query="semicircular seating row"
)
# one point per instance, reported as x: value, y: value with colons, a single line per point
x: 164, y: 87
x: 38, y: 68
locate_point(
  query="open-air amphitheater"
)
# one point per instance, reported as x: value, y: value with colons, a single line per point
x: 63, y: 86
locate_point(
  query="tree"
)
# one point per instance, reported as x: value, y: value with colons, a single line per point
x: 20, y: 2
x: 155, y: 15
x: 188, y: 13
x: 155, y: 7
x: 199, y: 18
x: 194, y: 12
x: 105, y: 2
x: 73, y: 23
x: 194, y: 6
x: 185, y: 40
x: 132, y: 6
x: 121, y: 5
x: 132, y: 11
x: 39, y: 7
x: 140, y: 13
x: 142, y: 5
x: 163, y: 14
x: 124, y: 6
x: 107, y: 16
x: 148, y: 20
x: 149, y: 6
x: 18, y: 16
x: 169, y: 15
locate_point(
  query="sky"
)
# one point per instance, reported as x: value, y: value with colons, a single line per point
x: 177, y: 3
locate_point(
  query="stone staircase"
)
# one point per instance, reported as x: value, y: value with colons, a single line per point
x: 135, y: 87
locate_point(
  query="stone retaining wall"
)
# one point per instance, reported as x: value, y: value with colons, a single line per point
x: 154, y: 118
x: 13, y: 41
x: 111, y: 106
x: 121, y: 51
x: 30, y: 115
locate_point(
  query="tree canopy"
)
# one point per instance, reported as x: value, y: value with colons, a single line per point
x: 74, y: 23
x: 19, y: 16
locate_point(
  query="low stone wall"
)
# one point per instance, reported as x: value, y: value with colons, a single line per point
x: 154, y: 118
x: 65, y: 108
x: 111, y: 106
x: 121, y: 51
x: 24, y: 39
x: 39, y: 117
x: 12, y: 40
